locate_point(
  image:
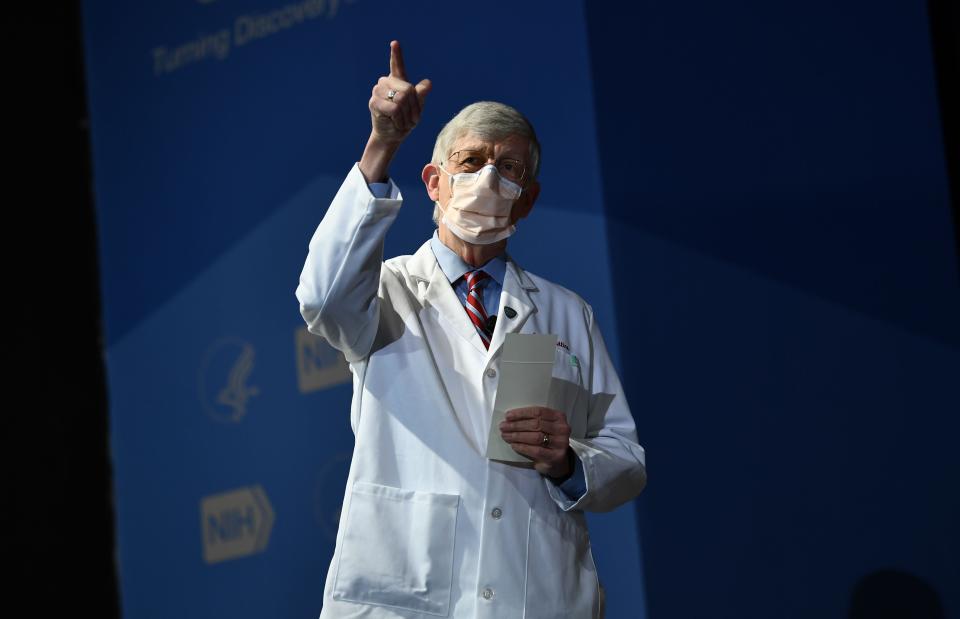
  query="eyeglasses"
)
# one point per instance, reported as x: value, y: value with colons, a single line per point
x: 473, y: 160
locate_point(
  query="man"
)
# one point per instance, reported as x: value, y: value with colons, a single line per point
x: 429, y: 526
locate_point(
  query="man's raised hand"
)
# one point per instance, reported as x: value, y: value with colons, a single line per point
x: 395, y: 108
x: 396, y: 104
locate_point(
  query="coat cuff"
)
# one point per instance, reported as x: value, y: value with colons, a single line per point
x: 569, y: 494
x: 379, y: 191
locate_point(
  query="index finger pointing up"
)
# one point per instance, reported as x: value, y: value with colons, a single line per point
x: 397, y: 69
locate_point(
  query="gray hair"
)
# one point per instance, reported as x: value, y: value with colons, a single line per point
x: 488, y: 120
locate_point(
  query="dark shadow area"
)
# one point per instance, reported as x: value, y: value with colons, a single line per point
x: 945, y: 36
x: 799, y: 142
x: 892, y: 594
x: 60, y: 538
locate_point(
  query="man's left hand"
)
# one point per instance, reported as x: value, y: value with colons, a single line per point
x: 524, y: 429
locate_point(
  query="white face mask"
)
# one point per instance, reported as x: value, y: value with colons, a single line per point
x: 479, y: 208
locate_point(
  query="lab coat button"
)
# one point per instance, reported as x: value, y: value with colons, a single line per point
x: 487, y: 593
x: 497, y: 513
x: 491, y: 373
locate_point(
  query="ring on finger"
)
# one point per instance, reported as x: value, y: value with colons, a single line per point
x: 391, y: 94
x: 545, y: 441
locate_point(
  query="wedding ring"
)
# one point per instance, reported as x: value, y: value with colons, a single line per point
x: 391, y: 94
x: 546, y: 439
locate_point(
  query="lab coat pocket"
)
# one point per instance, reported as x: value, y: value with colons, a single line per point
x: 567, y: 392
x: 397, y: 549
x: 561, y: 575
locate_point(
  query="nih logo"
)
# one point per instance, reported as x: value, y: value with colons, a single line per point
x: 235, y: 524
x: 319, y: 365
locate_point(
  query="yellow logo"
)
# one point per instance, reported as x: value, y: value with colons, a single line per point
x: 235, y: 524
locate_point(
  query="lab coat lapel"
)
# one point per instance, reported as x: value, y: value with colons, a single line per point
x: 515, y: 295
x: 434, y: 289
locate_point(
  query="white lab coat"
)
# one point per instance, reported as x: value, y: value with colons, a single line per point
x: 429, y: 527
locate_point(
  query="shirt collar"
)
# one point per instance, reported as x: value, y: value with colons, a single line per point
x: 454, y: 267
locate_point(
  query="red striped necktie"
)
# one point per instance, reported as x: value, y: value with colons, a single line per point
x: 474, y: 304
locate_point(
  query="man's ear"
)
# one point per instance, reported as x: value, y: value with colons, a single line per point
x: 431, y: 180
x: 524, y: 204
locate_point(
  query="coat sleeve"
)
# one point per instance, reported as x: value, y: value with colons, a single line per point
x: 341, y: 276
x: 613, y: 461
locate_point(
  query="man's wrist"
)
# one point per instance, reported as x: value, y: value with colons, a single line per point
x: 375, y: 163
x: 571, y: 467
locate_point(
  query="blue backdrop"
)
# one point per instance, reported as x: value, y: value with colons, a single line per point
x: 221, y: 130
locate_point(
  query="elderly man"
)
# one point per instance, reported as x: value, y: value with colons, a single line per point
x: 430, y: 526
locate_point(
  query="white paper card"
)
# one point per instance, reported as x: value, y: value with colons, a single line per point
x: 526, y: 368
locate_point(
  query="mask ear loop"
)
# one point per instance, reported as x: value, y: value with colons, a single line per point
x: 443, y: 211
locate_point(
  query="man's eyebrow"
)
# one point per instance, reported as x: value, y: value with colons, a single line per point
x: 507, y: 154
x: 481, y: 148
x: 472, y: 147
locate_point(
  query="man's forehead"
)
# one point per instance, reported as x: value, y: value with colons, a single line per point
x: 513, y: 144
